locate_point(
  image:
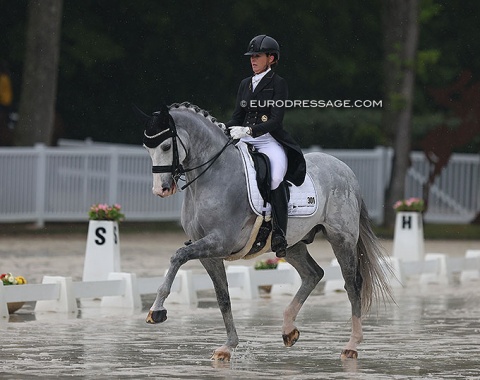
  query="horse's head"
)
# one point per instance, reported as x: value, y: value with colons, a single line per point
x: 160, y: 140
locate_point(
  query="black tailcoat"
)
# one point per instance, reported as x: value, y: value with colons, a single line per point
x: 253, y: 110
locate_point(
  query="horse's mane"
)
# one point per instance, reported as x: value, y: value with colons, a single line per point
x: 199, y: 111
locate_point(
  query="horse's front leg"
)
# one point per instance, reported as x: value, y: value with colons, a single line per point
x: 206, y: 247
x: 158, y: 313
x: 216, y: 269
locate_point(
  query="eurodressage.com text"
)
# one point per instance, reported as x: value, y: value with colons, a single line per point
x: 346, y: 103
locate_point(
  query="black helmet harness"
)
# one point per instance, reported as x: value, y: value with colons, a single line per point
x: 264, y: 44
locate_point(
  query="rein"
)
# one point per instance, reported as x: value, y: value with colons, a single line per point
x: 176, y: 169
x: 211, y: 161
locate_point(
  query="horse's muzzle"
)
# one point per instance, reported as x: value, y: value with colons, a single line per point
x: 165, y: 191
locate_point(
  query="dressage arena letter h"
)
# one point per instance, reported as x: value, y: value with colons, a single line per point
x: 407, y: 222
x: 102, y: 255
x: 408, y: 241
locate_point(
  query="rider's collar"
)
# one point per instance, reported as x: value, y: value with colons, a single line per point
x: 258, y: 77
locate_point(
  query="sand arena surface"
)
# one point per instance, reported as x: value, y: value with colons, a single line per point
x: 433, y: 332
x: 145, y: 254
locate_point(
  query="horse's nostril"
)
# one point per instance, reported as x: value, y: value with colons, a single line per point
x: 164, y: 189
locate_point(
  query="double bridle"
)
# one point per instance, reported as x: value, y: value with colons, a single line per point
x: 176, y: 168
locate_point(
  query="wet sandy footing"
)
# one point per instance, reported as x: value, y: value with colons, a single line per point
x: 432, y: 332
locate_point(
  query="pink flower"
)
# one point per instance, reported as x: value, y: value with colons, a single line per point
x: 397, y: 204
x: 410, y: 204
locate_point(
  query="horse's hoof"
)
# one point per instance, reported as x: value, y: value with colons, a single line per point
x: 157, y: 316
x: 290, y: 339
x: 222, y: 356
x: 348, y: 354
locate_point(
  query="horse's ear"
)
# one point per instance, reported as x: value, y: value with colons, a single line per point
x: 142, y: 116
x: 163, y: 117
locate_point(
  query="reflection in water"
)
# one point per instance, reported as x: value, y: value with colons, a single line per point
x: 350, y: 365
x: 433, y: 332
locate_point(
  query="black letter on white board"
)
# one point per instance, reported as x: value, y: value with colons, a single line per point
x: 100, y: 232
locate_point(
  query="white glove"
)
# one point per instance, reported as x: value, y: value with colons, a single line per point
x: 238, y: 132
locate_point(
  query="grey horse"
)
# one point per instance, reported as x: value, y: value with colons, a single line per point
x: 185, y: 140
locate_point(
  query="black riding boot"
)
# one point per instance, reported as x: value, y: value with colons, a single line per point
x: 279, y: 202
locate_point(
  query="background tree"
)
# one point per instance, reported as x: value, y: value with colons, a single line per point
x: 401, y: 30
x: 118, y: 52
x: 39, y: 85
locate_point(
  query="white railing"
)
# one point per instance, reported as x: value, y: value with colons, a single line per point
x: 455, y: 194
x: 43, y: 184
x: 123, y: 290
x: 60, y: 184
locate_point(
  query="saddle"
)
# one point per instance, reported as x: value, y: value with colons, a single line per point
x: 302, y: 199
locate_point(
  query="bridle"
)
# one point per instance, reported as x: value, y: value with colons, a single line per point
x: 176, y: 168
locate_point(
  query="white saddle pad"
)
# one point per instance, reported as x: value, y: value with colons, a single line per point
x: 303, y: 199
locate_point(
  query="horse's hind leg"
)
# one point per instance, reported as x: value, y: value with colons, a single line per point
x: 216, y: 269
x: 345, y: 252
x: 310, y: 273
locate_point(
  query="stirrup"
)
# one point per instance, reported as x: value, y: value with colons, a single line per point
x: 279, y: 245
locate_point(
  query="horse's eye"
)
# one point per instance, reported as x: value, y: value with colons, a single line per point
x: 166, y: 147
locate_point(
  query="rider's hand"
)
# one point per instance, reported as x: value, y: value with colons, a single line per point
x: 239, y: 132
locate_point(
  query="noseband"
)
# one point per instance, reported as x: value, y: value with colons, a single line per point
x: 176, y: 168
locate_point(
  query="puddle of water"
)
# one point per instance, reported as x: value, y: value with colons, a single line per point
x: 431, y: 334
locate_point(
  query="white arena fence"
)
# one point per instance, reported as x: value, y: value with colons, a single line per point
x: 49, y: 184
x: 124, y: 290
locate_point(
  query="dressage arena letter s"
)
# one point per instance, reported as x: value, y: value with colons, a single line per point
x: 100, y: 232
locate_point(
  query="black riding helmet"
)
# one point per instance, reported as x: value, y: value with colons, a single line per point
x: 264, y: 44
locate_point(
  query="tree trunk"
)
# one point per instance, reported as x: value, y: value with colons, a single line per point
x: 401, y: 29
x: 39, y: 83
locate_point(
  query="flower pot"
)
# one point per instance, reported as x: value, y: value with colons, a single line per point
x: 408, y: 240
x: 102, y: 255
x: 265, y: 288
x: 14, y: 306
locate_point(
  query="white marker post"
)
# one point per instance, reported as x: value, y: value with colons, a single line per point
x: 102, y: 255
x: 408, y: 240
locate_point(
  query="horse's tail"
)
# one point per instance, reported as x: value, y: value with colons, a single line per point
x: 372, y: 266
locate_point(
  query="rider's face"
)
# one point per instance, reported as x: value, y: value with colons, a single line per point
x: 260, y: 62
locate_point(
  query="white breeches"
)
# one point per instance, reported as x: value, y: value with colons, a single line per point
x: 267, y: 145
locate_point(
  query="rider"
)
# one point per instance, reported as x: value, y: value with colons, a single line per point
x: 257, y: 120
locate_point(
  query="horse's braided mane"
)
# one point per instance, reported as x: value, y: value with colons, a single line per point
x: 195, y: 109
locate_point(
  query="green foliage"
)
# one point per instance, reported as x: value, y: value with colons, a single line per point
x: 86, y: 47
x: 334, y: 128
x: 426, y: 60
x: 411, y: 204
x: 118, y: 52
x: 356, y: 128
x: 397, y: 101
x: 271, y: 263
x: 102, y: 211
x: 428, y: 10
